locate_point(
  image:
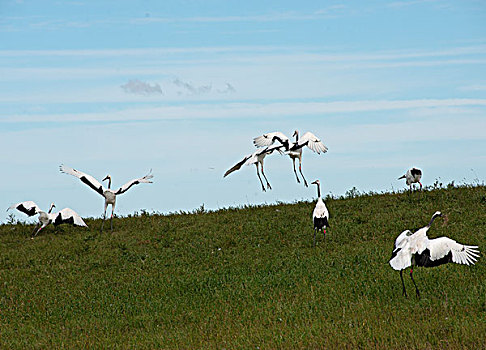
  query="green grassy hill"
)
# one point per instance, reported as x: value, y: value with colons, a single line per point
x: 247, y: 278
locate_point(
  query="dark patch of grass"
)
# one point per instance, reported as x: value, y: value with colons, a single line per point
x: 246, y: 278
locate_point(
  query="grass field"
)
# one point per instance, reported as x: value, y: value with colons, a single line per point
x: 247, y: 278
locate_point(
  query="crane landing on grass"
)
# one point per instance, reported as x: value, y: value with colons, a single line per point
x: 107, y: 193
x: 65, y: 216
x: 416, y: 249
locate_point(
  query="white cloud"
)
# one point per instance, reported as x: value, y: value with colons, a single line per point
x: 228, y: 89
x: 142, y: 88
x: 191, y: 88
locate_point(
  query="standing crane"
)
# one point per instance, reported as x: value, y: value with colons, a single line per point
x: 416, y: 249
x: 107, y: 193
x: 294, y: 149
x: 320, y: 215
x: 65, y: 216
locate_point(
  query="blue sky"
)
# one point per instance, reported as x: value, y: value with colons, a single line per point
x: 182, y: 87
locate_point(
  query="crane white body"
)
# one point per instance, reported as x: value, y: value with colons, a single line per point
x: 294, y: 149
x: 413, y: 175
x: 320, y: 215
x: 256, y: 158
x: 64, y: 216
x: 416, y: 249
x: 108, y: 194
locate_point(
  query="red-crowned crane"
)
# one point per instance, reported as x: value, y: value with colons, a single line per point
x: 413, y: 175
x: 107, y: 193
x: 416, y: 249
x: 320, y: 215
x: 294, y: 149
x: 65, y: 216
x: 255, y: 158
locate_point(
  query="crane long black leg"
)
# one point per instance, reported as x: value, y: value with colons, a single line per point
x: 315, y: 232
x: 305, y: 181
x: 37, y: 232
x: 258, y: 173
x: 295, y: 171
x: 416, y: 289
x: 404, y: 291
x: 35, y: 229
x: 268, y: 183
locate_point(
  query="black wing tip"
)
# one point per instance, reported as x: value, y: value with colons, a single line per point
x: 62, y: 167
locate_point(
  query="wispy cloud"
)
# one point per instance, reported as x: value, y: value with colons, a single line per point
x: 50, y: 23
x: 260, y: 52
x: 248, y: 110
x: 59, y: 24
x: 184, y: 87
x: 155, y: 51
x: 139, y: 87
x: 228, y: 89
x: 191, y: 88
x: 328, y: 12
x: 400, y: 4
x: 476, y: 87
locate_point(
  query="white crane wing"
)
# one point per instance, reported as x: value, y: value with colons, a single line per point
x: 27, y: 207
x: 313, y: 142
x: 145, y: 179
x: 461, y: 254
x: 252, y: 158
x: 85, y: 178
x: 269, y: 139
x: 238, y: 165
x: 401, y: 255
x: 69, y: 216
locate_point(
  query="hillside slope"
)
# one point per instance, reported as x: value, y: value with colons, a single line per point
x: 247, y: 278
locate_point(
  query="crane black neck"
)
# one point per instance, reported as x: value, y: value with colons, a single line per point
x: 318, y: 190
x: 109, y: 181
x: 433, y: 218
